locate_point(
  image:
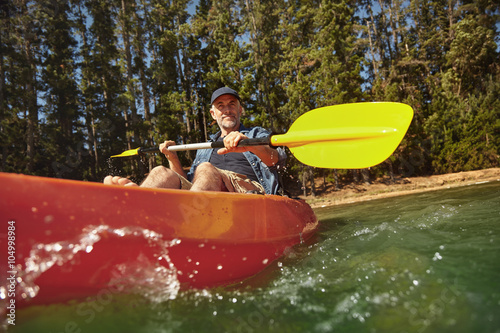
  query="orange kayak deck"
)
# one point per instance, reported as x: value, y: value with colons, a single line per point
x: 75, y: 239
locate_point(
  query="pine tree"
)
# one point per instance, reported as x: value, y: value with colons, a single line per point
x: 63, y: 139
x: 20, y: 63
x: 262, y: 18
x: 103, y: 79
x: 164, y: 21
x: 232, y: 63
x: 296, y: 32
x: 201, y: 58
x: 338, y: 56
x: 87, y: 92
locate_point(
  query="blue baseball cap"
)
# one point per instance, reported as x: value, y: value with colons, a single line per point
x: 224, y: 91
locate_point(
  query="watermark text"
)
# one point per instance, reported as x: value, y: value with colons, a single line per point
x: 11, y: 272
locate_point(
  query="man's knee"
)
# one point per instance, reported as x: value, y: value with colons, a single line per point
x: 205, y: 167
x: 162, y: 177
x: 159, y: 170
x: 207, y: 178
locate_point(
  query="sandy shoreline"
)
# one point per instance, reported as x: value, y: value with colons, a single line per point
x: 382, y: 189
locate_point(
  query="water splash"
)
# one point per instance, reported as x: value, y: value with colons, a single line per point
x: 438, y: 215
x: 114, y: 167
x: 157, y: 281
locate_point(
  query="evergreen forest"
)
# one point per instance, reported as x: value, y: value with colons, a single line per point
x: 81, y: 80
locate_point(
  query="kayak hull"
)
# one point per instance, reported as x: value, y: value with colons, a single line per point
x: 75, y: 239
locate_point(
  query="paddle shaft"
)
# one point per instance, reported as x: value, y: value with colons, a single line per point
x: 209, y: 145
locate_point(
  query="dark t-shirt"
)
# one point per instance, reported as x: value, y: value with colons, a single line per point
x: 235, y: 162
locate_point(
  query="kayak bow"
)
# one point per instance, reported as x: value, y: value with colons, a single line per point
x: 75, y: 239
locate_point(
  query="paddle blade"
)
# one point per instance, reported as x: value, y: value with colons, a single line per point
x: 126, y: 153
x: 347, y: 136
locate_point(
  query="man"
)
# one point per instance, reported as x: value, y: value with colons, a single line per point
x: 231, y: 169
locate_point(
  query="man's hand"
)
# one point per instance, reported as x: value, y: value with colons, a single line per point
x: 168, y: 154
x: 267, y: 154
x: 231, y: 143
x: 173, y: 159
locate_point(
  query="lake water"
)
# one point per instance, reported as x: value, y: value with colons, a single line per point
x: 426, y: 262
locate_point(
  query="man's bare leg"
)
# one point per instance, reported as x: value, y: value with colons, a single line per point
x: 208, y: 178
x: 159, y: 177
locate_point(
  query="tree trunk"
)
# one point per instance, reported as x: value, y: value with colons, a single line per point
x: 32, y: 123
x: 336, y: 177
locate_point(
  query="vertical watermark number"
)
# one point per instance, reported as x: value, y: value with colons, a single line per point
x: 11, y: 272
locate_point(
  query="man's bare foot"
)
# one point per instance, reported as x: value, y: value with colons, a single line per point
x: 116, y: 180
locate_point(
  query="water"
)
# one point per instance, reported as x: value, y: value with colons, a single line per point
x: 419, y: 263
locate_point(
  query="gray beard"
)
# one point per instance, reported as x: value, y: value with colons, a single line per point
x: 227, y: 125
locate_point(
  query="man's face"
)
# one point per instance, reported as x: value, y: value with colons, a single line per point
x: 226, y: 110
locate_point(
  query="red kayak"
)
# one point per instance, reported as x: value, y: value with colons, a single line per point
x: 74, y: 239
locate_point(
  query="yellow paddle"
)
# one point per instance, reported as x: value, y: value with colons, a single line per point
x: 346, y: 136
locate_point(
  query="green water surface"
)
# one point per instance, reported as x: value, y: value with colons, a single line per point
x: 419, y: 263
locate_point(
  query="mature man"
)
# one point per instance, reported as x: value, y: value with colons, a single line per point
x: 231, y: 169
